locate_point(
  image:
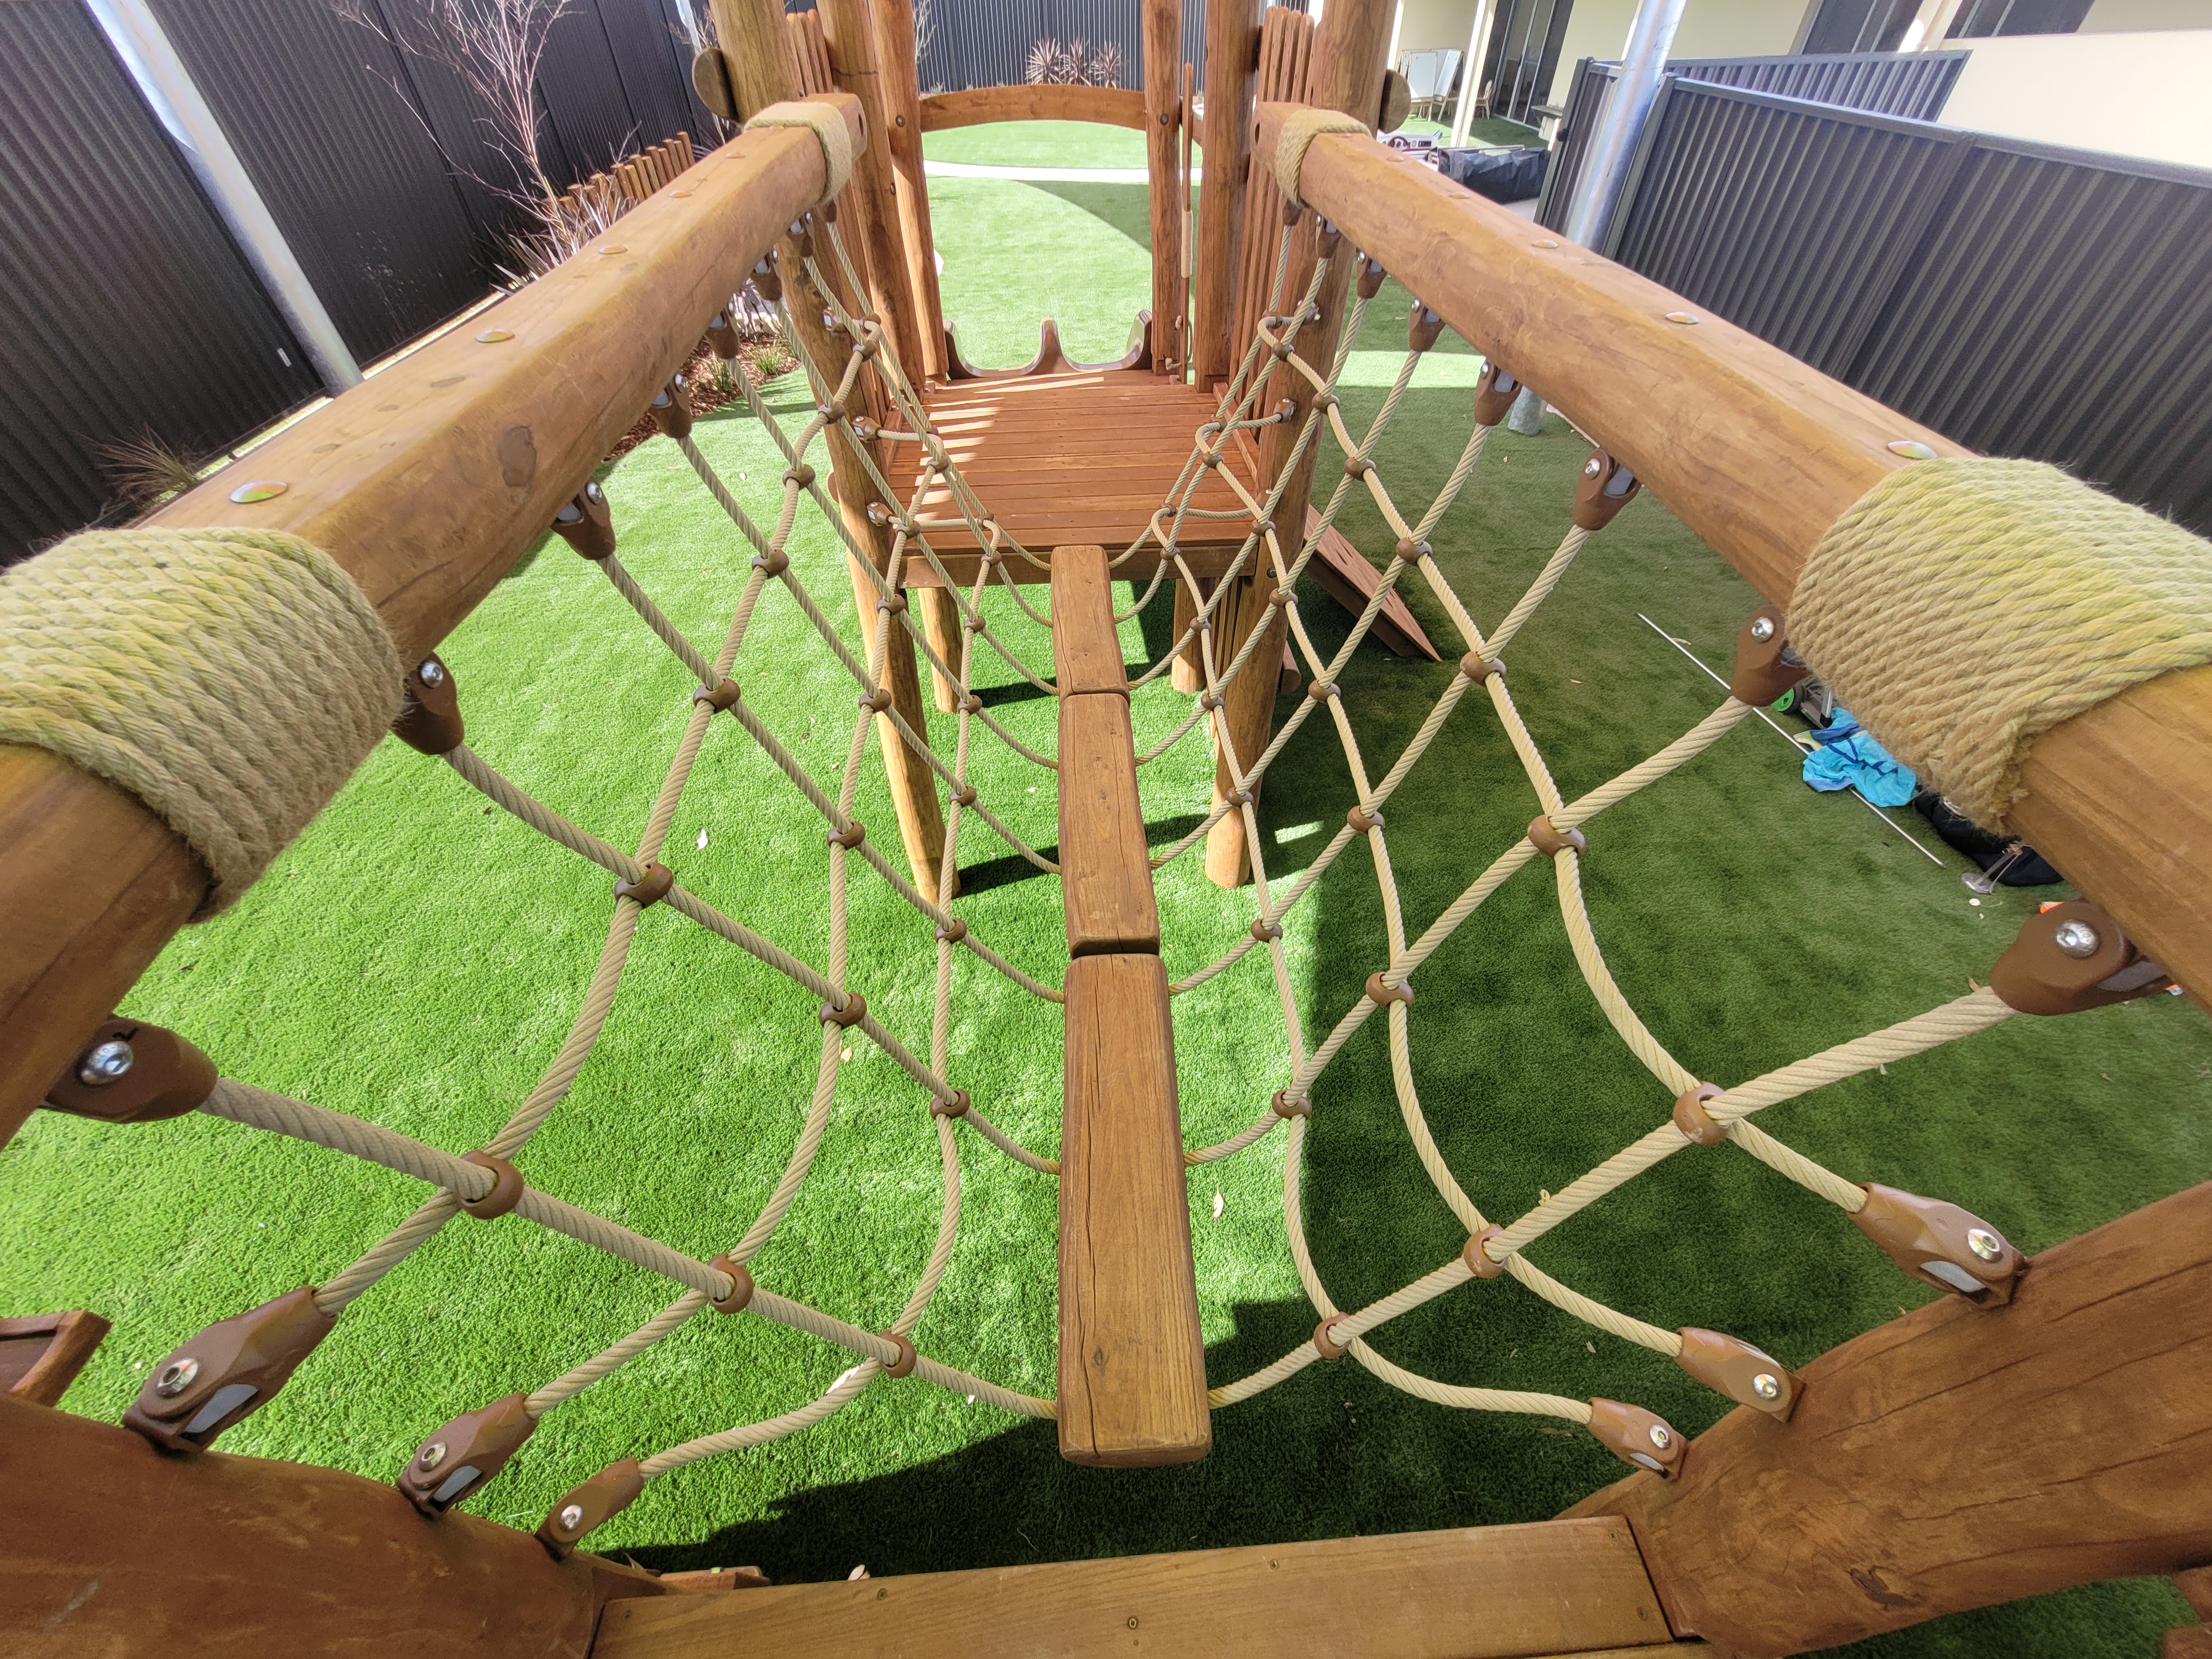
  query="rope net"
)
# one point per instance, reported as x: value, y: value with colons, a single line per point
x: 456, y: 1459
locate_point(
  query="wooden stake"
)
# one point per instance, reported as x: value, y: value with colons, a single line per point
x: 1232, y: 56
x: 1163, y: 46
x: 851, y: 39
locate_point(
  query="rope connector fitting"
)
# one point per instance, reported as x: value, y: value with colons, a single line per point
x: 1412, y: 552
x: 798, y: 473
x: 505, y: 1192
x: 1328, y: 238
x: 1641, y: 1438
x: 131, y: 1072
x: 1357, y: 466
x: 430, y: 720
x: 649, y: 889
x: 1383, y: 995
x: 1287, y: 1105
x: 586, y: 522
x: 854, y: 1010
x: 965, y: 795
x: 907, y: 1358
x: 772, y: 565
x: 768, y: 278
x: 1952, y: 1248
x: 971, y: 704
x: 2069, y: 957
x: 1291, y: 214
x: 581, y: 1508
x: 1766, y: 667
x: 1603, y: 487
x: 230, y: 1370
x: 1750, y: 1376
x: 953, y: 931
x: 1480, y: 669
x: 956, y: 1108
x: 1263, y: 930
x: 1321, y: 690
x: 1363, y: 820
x: 722, y: 335
x: 1480, y: 1261
x: 1208, y: 700
x: 1209, y: 458
x: 1240, y: 797
x: 831, y: 412
x: 671, y: 409
x: 741, y: 1286
x: 891, y: 604
x: 1324, y: 1344
x: 1552, y: 842
x: 1371, y: 277
x: 460, y: 1456
x: 1495, y: 394
x: 866, y: 430
x: 1696, y: 1123
x: 723, y: 697
x: 878, y: 700
x: 1423, y: 326
x: 850, y: 836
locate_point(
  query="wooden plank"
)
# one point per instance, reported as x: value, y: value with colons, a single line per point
x: 1161, y: 24
x: 1346, y: 576
x: 41, y: 1355
x: 1232, y: 48
x: 108, y: 1546
x: 1132, y: 1364
x: 426, y: 484
x: 976, y: 106
x: 1759, y: 454
x: 1476, y: 1593
x: 1105, y: 871
x: 1086, y: 646
x: 1954, y: 1457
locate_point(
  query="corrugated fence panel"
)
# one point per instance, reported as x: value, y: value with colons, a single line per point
x: 2063, y: 311
x: 313, y: 106
x: 654, y: 74
x: 986, y: 43
x: 583, y: 92
x: 124, y: 307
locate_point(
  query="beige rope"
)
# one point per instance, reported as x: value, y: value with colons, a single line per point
x: 231, y: 679
x: 826, y: 123
x: 1964, y: 606
x: 1300, y: 128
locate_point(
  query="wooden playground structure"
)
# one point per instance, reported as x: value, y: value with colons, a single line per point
x: 2047, y: 1423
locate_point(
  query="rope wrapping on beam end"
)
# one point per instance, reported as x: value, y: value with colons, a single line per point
x: 1964, y: 606
x: 826, y: 125
x: 231, y: 679
x: 1300, y: 128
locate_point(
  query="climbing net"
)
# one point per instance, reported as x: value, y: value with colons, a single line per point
x: 215, y: 1379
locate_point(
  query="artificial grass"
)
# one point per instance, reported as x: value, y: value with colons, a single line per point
x: 415, y: 960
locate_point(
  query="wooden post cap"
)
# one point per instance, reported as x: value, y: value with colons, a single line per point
x: 1695, y: 1122
x: 430, y: 719
x: 457, y: 1458
x: 1603, y: 487
x: 1766, y: 667
x: 1730, y: 1366
x: 1950, y: 1248
x: 2071, y: 956
x: 1638, y: 1437
x: 229, y: 1370
x: 586, y: 522
x: 504, y: 1194
x: 581, y: 1508
x: 133, y: 1071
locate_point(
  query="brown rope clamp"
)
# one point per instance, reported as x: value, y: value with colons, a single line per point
x: 649, y: 889
x: 1382, y: 995
x: 1209, y: 458
x: 131, y: 1072
x: 953, y: 931
x: 1239, y: 797
x: 2069, y: 957
x: 1263, y: 930
x: 1363, y: 820
x: 581, y: 1508
x: 1328, y: 237
x: 462, y: 1454
x: 1494, y: 393
x: 1480, y: 669
x: 430, y: 718
x: 1412, y: 552
x: 1423, y: 326
x: 1478, y: 1262
x: 772, y: 565
x: 228, y: 1370
x: 722, y: 335
x: 1766, y: 667
x: 878, y: 514
x: 741, y: 1286
x: 767, y: 278
x: 798, y: 473
x: 971, y: 704
x: 965, y: 795
x: 1730, y: 1366
x: 1321, y: 690
x: 723, y: 697
x: 1552, y: 842
x: 978, y: 624
x: 855, y: 1008
x: 907, y: 1358
x: 1638, y: 1437
x: 866, y: 430
x: 1357, y: 466
x: 1951, y: 1248
x: 1601, y: 490
x: 1696, y: 1123
x: 831, y: 412
x: 1326, y: 1347
x: 850, y: 836
x: 504, y: 1194
x: 891, y: 604
x: 1209, y: 701
x: 956, y: 1106
x: 671, y: 409
x: 1371, y: 277
x: 1287, y: 1105
x: 586, y: 522
x: 1291, y: 214
x: 878, y: 700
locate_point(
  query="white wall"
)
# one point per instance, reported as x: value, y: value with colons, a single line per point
x: 1710, y: 28
x: 1430, y: 23
x: 2134, y: 16
x: 2132, y: 95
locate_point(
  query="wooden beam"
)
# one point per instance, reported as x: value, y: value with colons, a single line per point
x: 1759, y: 454
x: 1162, y: 25
x: 109, y: 1547
x: 1086, y: 646
x: 40, y: 1356
x: 1105, y: 869
x: 426, y: 484
x: 1111, y: 106
x: 1232, y: 59
x: 850, y: 32
x: 1132, y: 1362
x: 1955, y: 1458
x: 896, y: 61
x: 1476, y: 1593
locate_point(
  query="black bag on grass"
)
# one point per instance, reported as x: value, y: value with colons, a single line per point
x: 1503, y: 175
x: 2013, y: 863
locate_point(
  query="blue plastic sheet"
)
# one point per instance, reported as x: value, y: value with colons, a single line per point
x: 1848, y: 755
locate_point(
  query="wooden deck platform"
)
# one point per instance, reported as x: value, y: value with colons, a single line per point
x: 1081, y: 456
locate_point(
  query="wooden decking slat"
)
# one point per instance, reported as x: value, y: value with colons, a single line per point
x: 1105, y: 870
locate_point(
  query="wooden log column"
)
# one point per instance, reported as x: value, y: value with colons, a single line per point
x: 1347, y: 76
x: 898, y: 64
x: 1132, y: 1372
x: 850, y: 30
x: 1163, y: 43
x: 1232, y: 62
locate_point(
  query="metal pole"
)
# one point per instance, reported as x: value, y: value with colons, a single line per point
x: 1611, y: 143
x: 146, y: 53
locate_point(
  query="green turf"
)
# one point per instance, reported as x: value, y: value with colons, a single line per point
x: 1037, y: 144
x: 416, y: 961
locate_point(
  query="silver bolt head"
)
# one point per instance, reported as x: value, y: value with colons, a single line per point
x: 107, y: 1063
x: 1660, y: 1437
x: 1984, y: 1244
x: 1592, y: 467
x: 571, y: 1516
x: 2076, y: 938
x: 176, y: 1376
x: 1762, y: 628
x: 433, y: 672
x: 431, y: 1455
x: 593, y: 493
x: 1767, y: 1386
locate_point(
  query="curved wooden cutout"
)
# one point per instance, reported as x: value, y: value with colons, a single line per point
x: 1112, y: 107
x: 1051, y: 358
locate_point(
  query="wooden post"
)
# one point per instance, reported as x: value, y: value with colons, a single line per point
x: 940, y: 622
x: 1187, y: 676
x: 851, y: 37
x: 109, y: 1547
x: 1957, y: 1457
x: 1232, y: 61
x: 1347, y: 76
x: 1163, y: 43
x: 899, y: 66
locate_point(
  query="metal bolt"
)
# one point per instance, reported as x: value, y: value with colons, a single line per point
x: 593, y: 493
x: 176, y: 1376
x: 1766, y: 1385
x: 1680, y: 317
x: 1592, y: 467
x: 571, y: 1516
x: 1911, y: 448
x: 828, y: 319
x: 2076, y: 938
x: 1762, y: 628
x: 1660, y: 1437
x: 1984, y: 1244
x: 431, y: 1455
x: 431, y: 674
x: 261, y: 490
x: 107, y: 1063
x: 494, y: 336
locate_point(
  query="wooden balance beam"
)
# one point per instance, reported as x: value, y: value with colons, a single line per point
x: 1132, y: 1362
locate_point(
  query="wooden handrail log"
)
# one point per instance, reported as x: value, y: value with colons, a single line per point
x: 426, y: 484
x: 1759, y: 454
x: 977, y: 106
